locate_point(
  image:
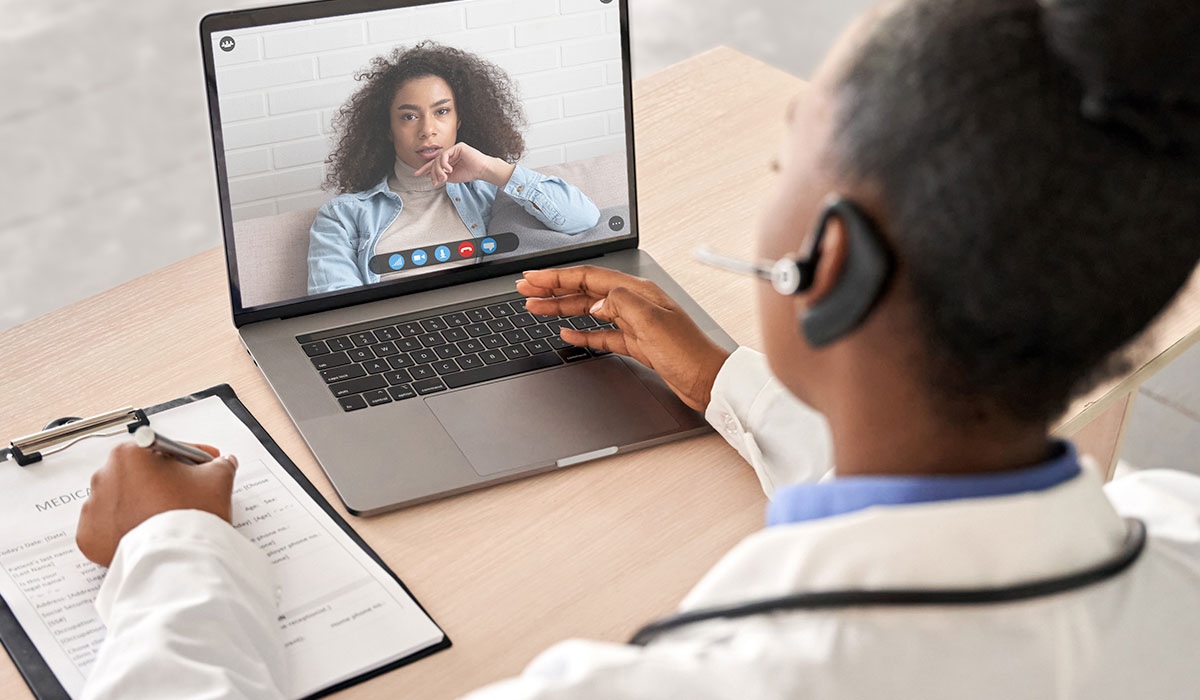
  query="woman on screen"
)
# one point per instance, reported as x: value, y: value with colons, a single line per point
x: 423, y: 148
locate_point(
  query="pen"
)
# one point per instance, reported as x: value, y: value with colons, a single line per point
x: 146, y: 437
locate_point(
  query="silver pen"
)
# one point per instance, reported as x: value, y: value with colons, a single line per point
x: 145, y: 436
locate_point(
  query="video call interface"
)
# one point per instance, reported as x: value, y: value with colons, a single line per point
x: 374, y: 147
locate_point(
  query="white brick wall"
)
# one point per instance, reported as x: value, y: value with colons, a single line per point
x: 281, y: 86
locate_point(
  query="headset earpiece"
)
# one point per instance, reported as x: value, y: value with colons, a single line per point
x: 862, y: 281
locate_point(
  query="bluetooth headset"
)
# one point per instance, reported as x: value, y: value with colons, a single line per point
x: 864, y: 276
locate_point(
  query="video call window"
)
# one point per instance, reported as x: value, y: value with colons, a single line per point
x: 367, y: 148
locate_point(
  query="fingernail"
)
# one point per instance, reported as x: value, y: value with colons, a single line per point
x: 526, y: 272
x: 596, y: 307
x: 233, y: 460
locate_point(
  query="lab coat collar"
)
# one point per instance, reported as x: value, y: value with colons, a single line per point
x: 971, y: 542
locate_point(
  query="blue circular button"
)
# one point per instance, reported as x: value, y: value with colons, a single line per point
x: 488, y: 245
x: 419, y: 257
x: 396, y: 262
x: 442, y: 253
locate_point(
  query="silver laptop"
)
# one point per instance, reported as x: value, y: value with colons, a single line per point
x: 375, y: 287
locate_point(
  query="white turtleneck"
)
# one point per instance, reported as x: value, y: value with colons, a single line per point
x: 427, y: 218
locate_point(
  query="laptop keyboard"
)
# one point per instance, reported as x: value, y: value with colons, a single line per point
x: 375, y: 363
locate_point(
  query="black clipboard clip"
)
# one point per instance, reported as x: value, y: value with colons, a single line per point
x: 29, y: 449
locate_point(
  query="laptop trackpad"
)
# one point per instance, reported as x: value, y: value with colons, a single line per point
x: 540, y: 418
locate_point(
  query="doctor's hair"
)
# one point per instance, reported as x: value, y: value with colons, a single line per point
x: 484, y: 96
x: 1037, y: 165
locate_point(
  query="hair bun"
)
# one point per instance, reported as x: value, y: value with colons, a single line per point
x: 1138, y: 63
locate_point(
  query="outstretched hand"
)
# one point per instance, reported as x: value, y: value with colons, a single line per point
x: 651, y: 327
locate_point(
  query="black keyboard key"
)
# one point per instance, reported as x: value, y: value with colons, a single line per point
x: 336, y: 344
x: 522, y: 320
x: 558, y: 343
x: 469, y: 362
x: 518, y: 305
x: 513, y: 352
x: 493, y: 341
x: 538, y: 332
x: 408, y: 344
x: 333, y: 359
x: 422, y: 372
x: 504, y: 369
x: 353, y: 403
x: 377, y: 397
x: 582, y: 323
x: 384, y: 349
x: 408, y: 330
x: 361, y: 354
x: 400, y: 361
x: 445, y: 366
x: 428, y: 386
x: 500, y: 325
x: 538, y: 346
x: 471, y: 345
x: 477, y: 329
x: 364, y: 338
x: 447, y: 351
x: 501, y: 310
x: 429, y: 340
x: 491, y: 357
x: 401, y: 392
x: 386, y: 334
x: 423, y: 356
x: 341, y: 374
x: 554, y: 324
x: 399, y: 376
x: 516, y: 336
x: 478, y: 315
x: 454, y: 335
x: 376, y: 366
x: 456, y: 319
x: 433, y: 324
x: 314, y: 349
x: 357, y: 386
x: 599, y: 353
x: 573, y: 354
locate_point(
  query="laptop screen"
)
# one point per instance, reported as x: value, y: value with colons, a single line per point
x: 378, y: 147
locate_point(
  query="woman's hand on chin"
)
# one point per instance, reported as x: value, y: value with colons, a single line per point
x: 462, y: 163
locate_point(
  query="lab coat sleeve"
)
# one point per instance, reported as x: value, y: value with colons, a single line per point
x: 190, y: 609
x: 786, y: 441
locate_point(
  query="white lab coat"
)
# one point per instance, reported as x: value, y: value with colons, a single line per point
x: 209, y: 629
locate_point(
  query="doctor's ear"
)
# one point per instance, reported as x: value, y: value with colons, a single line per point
x: 850, y: 265
x: 829, y: 260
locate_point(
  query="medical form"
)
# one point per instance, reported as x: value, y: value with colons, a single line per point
x: 341, y: 613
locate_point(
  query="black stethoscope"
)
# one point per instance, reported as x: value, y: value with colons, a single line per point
x: 1131, y: 549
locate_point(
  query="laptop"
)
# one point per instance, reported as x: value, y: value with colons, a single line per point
x: 377, y: 295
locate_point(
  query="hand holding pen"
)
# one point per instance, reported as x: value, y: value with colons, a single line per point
x: 137, y: 483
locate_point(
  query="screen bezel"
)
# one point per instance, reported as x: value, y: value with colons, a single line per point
x: 242, y: 19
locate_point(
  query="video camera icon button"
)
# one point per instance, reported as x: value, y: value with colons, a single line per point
x: 420, y: 257
x: 488, y: 245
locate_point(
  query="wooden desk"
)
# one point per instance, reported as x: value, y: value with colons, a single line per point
x: 592, y: 551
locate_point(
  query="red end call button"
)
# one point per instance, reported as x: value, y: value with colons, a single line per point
x: 466, y: 249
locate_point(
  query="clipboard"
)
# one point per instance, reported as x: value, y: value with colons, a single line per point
x: 61, y: 433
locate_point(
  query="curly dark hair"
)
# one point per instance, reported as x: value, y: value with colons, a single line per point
x: 487, y: 103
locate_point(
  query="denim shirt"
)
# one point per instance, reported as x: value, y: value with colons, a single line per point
x: 343, y: 236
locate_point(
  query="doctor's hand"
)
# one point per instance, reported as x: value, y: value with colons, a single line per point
x: 652, y: 328
x: 137, y: 484
x: 463, y: 163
